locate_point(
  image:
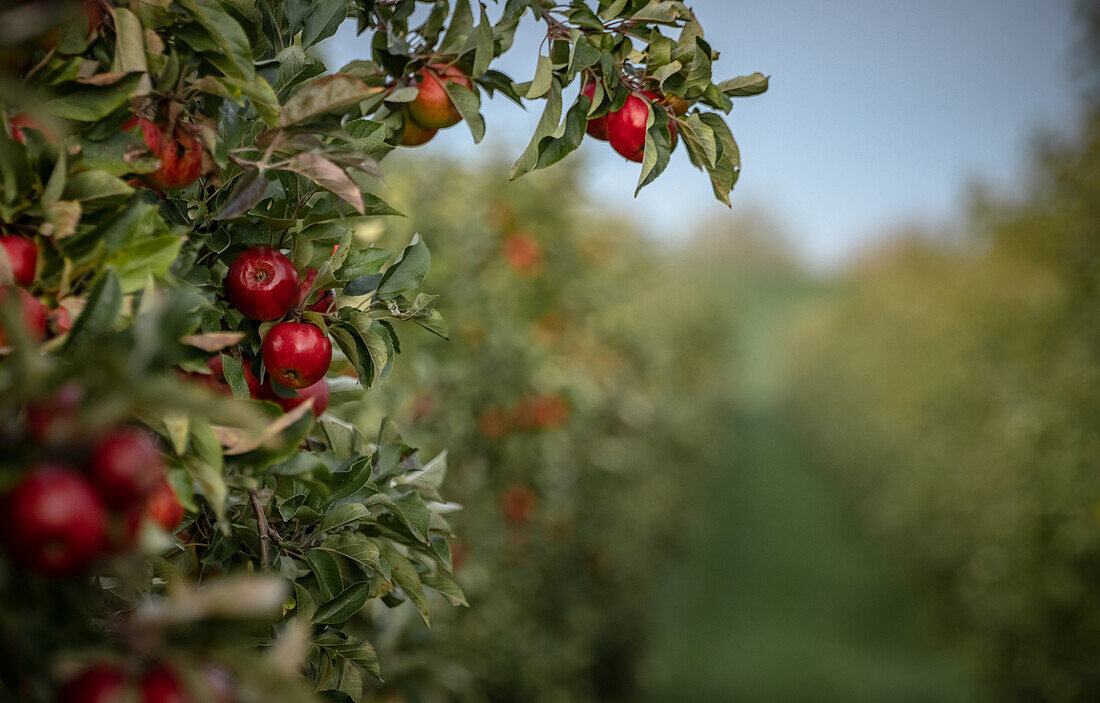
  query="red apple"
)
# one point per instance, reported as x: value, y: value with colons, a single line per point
x: 597, y: 126
x: 414, y: 134
x: 55, y: 524
x: 162, y: 685
x: 56, y: 420
x: 101, y: 683
x: 325, y: 301
x: 216, y: 379
x: 22, y: 121
x: 523, y: 253
x: 23, y: 256
x: 518, y: 503
x: 432, y: 108
x: 59, y: 321
x: 34, y: 314
x: 262, y: 283
x: 180, y: 153
x: 626, y: 128
x: 125, y: 467
x: 297, y: 354
x: 318, y: 391
x: 164, y: 507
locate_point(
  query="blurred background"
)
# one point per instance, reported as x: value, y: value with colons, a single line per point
x: 837, y: 444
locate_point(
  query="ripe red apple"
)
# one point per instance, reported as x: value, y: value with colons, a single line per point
x: 179, y: 151
x: 523, y: 253
x: 262, y: 283
x: 162, y: 685
x: 216, y: 379
x: 597, y: 126
x: 325, y: 301
x: 297, y: 354
x: 101, y: 683
x: 34, y: 314
x: 518, y: 503
x: 23, y: 256
x: 626, y: 128
x: 54, y: 523
x: 125, y: 467
x: 57, y: 419
x: 414, y: 134
x: 59, y: 320
x: 163, y: 507
x: 432, y: 107
x: 318, y: 391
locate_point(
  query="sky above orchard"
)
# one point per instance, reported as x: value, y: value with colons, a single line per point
x: 879, y: 113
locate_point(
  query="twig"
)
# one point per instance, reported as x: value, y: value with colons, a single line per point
x: 263, y: 529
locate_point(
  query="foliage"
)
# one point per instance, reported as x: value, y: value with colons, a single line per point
x: 336, y: 514
x: 955, y: 386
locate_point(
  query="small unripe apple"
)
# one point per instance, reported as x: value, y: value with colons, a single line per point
x: 54, y: 522
x: 125, y: 467
x: 217, y: 381
x: 162, y: 685
x: 597, y: 126
x: 432, y: 108
x: 23, y: 256
x: 101, y: 683
x: 325, y: 301
x: 179, y: 151
x: 518, y: 503
x: 163, y: 507
x: 262, y: 283
x: 318, y: 392
x: 34, y: 314
x: 297, y: 354
x: 626, y: 128
x: 415, y: 134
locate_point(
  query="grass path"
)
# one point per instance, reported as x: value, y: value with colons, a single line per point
x: 782, y: 599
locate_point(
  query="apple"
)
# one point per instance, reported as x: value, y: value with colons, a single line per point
x: 59, y: 320
x: 34, y: 314
x: 626, y: 128
x: 125, y: 467
x: 318, y: 391
x: 518, y: 503
x: 262, y: 283
x: 432, y: 108
x: 541, y: 412
x: 326, y: 300
x: 216, y: 379
x: 296, y: 354
x: 162, y: 685
x: 55, y: 524
x: 23, y: 257
x: 95, y: 13
x: 415, y: 134
x: 163, y: 507
x: 23, y: 121
x: 597, y: 126
x: 56, y: 420
x: 179, y: 151
x: 678, y: 105
x: 101, y: 683
x: 494, y: 423
x: 523, y: 253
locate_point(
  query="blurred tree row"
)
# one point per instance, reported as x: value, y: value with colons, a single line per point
x: 573, y: 400
x: 954, y: 382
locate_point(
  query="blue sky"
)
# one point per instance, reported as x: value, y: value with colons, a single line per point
x: 880, y: 112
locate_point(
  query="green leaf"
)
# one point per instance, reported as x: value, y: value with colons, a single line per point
x: 358, y: 653
x: 323, y: 20
x: 544, y: 76
x: 407, y: 273
x: 326, y: 94
x: 404, y: 574
x: 446, y: 588
x: 658, y: 147
x: 745, y: 86
x: 344, y: 514
x: 90, y: 103
x: 129, y: 42
x: 234, y: 376
x: 327, y: 572
x: 329, y: 176
x: 95, y: 185
x: 227, y: 34
x: 100, y: 311
x: 459, y: 29
x: 414, y: 513
x: 247, y: 192
x: 354, y: 546
x: 204, y: 463
x: 349, y: 602
x: 548, y: 123
x: 468, y: 104
x: 151, y: 257
x: 727, y: 168
x: 483, y: 50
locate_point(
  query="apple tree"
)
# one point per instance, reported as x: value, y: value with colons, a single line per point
x: 186, y: 305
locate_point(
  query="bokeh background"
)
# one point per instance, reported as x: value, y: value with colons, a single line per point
x: 840, y: 443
